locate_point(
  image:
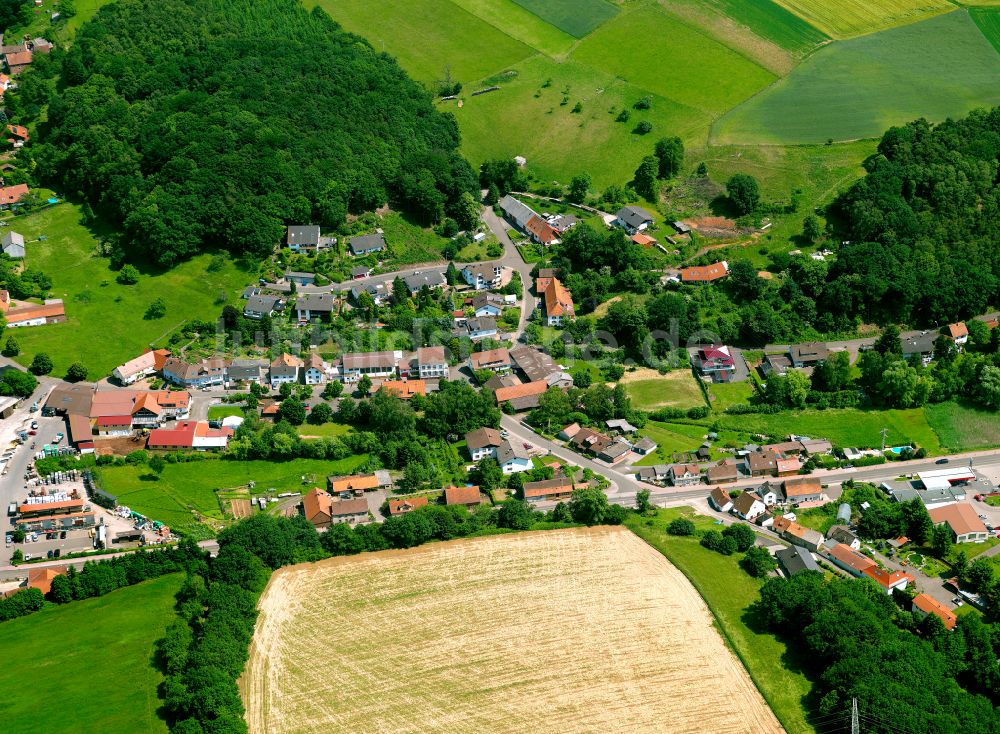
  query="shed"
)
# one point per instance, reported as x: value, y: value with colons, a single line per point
x: 844, y: 513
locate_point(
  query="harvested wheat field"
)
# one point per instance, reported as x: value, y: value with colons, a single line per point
x: 583, y: 630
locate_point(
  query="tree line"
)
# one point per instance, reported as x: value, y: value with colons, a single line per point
x: 204, y: 123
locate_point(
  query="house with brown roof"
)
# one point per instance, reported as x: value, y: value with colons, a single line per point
x: 808, y: 355
x: 548, y: 490
x: 843, y: 534
x: 748, y: 507
x: 18, y: 61
x: 558, y: 304
x: 467, y: 496
x: 725, y: 471
x: 495, y: 360
x: 889, y: 580
x: 145, y: 365
x: 720, y: 500
x: 358, y: 483
x: 684, y: 475
x: 408, y: 504
x: 41, y: 578
x: 806, y: 537
x: 788, y: 466
x: 541, y: 231
x: 18, y: 135
x: 763, y: 463
x: 805, y: 489
x: 323, y: 509
x: 286, y: 368
x: 962, y: 520
x: 924, y: 604
x: 959, y: 333
x: 483, y: 442
x: 850, y: 560
x: 705, y: 273
x: 206, y: 373
x: 431, y: 363
x: 354, y: 365
x: 403, y: 389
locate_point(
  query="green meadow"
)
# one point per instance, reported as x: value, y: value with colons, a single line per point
x: 87, y: 666
x: 942, y: 67
x: 575, y: 17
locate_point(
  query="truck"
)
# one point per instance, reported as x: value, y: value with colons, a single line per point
x: 12, y: 509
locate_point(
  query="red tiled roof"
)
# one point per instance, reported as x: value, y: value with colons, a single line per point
x: 400, y: 507
x: 704, y: 273
x: 543, y: 231
x: 558, y: 301
x: 462, y: 496
x: 929, y: 605
x: 13, y: 194
x: 513, y: 392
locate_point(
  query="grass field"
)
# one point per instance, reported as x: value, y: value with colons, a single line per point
x: 962, y: 428
x: 218, y: 412
x: 728, y: 591
x: 327, y: 430
x: 86, y: 666
x: 649, y: 390
x: 856, y: 89
x: 575, y: 17
x: 184, y: 494
x: 428, y: 36
x: 673, y: 438
x: 520, y: 23
x: 578, y: 630
x: 988, y: 21
x: 104, y: 320
x: 846, y: 18
x: 676, y: 61
x: 724, y: 394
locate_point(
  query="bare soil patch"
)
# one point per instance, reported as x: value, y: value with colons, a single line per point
x: 583, y: 630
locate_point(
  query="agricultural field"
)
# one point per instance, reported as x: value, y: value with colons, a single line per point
x: 87, y: 666
x: 765, y: 18
x: 963, y: 428
x: 729, y: 591
x: 105, y: 323
x: 650, y: 390
x: 429, y: 37
x: 676, y: 61
x: 575, y: 17
x: 184, y: 495
x: 988, y: 21
x: 522, y: 24
x: 553, y: 624
x: 942, y: 67
x: 846, y: 18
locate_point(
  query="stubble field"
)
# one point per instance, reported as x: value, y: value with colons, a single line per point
x: 560, y: 631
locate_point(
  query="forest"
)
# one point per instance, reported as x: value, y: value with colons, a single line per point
x: 214, y: 123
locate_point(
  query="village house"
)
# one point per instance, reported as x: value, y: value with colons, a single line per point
x: 495, y: 360
x: 245, y: 371
x: 559, y: 306
x: 17, y: 135
x: 112, y: 426
x: 433, y: 279
x: 959, y: 333
x: 13, y: 245
x: 808, y: 355
x: 259, y: 306
x: 644, y: 446
x: 727, y: 470
x: 307, y: 239
x: 403, y: 389
x: 477, y: 328
x: 355, y: 365
x: 720, y: 500
x: 206, y: 373
x: 795, y: 560
x: 763, y: 463
x: 920, y: 346
x: 633, y: 219
x: 748, y: 507
x: 657, y: 473
x: 409, y: 504
x: 843, y: 534
x: 285, y: 369
x: 705, y: 273
x: 487, y: 304
x: 643, y: 240
x: 366, y: 244
x: 323, y: 509
x: 11, y: 196
x: 924, y: 604
x: 358, y: 484
x: 193, y: 435
x: 359, y: 272
x: 962, y: 520
x: 315, y: 306
x: 431, y: 363
x: 467, y: 496
x: 541, y: 231
x: 806, y: 537
x: 377, y: 291
x: 770, y: 493
x: 806, y: 489
x: 315, y: 369
x: 521, y: 397
x: 548, y: 490
x: 513, y: 457
x: 29, y: 314
x: 17, y: 61
x: 850, y: 560
x: 482, y: 276
x: 300, y: 278
x: 535, y: 364
x: 775, y: 364
x: 483, y: 442
x: 563, y: 222
x: 715, y: 363
x: 145, y: 365
x: 685, y: 475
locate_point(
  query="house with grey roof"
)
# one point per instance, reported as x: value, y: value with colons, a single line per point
x: 795, y: 560
x: 633, y: 219
x: 245, y: 370
x: 516, y: 212
x: 477, y: 328
x: 260, y: 306
x: 430, y: 278
x: 314, y: 306
x: 13, y: 244
x: 361, y: 271
x: 306, y: 238
x: 366, y: 244
x: 293, y: 276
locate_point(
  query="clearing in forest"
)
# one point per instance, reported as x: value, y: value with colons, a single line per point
x: 562, y: 631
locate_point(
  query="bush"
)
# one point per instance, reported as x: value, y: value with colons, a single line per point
x: 76, y: 373
x: 681, y: 526
x: 41, y: 364
x: 758, y: 562
x: 742, y: 534
x: 128, y: 275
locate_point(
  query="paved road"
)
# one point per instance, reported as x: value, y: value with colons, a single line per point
x: 512, y: 259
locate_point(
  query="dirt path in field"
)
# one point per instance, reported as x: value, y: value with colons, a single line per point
x: 583, y: 630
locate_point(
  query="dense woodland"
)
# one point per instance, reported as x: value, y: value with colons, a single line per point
x: 208, y: 123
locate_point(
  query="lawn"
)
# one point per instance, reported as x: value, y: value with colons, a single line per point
x: 673, y: 438
x: 942, y: 67
x: 724, y: 394
x: 327, y: 430
x: 728, y: 591
x: 104, y: 320
x: 184, y: 495
x: 575, y: 17
x: 429, y: 37
x: 650, y: 390
x: 988, y: 21
x: 963, y: 428
x: 522, y: 24
x: 86, y: 666
x: 536, y: 108
x: 676, y: 61
x: 218, y: 412
x: 845, y: 18
x: 409, y: 243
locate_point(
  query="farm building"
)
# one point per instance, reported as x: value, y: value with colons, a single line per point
x: 962, y: 520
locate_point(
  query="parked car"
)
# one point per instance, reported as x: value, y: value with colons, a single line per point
x: 34, y: 424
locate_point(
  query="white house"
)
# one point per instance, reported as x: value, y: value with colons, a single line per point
x: 285, y: 369
x: 748, y: 507
x: 431, y: 363
x: 481, y: 328
x: 483, y: 442
x: 684, y: 475
x: 483, y: 275
x: 315, y: 370
x: 633, y: 219
x: 720, y: 500
x: 374, y: 364
x: 770, y: 494
x: 513, y: 458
